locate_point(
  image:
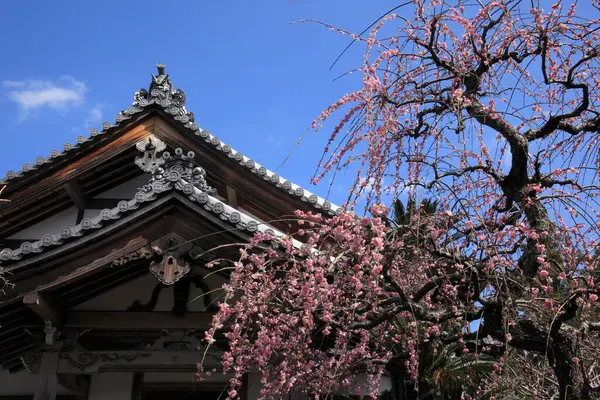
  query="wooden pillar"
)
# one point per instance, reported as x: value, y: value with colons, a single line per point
x: 296, y: 394
x: 253, y: 386
x: 48, y: 378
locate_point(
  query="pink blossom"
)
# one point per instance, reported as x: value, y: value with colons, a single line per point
x: 466, y: 123
x: 379, y: 210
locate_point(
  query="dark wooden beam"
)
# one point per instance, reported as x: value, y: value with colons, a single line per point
x: 76, y: 194
x: 93, y: 362
x: 16, y: 243
x: 44, y: 306
x: 232, y: 196
x: 124, y: 320
x: 18, y: 344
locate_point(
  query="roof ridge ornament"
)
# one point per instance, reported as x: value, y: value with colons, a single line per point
x: 162, y: 92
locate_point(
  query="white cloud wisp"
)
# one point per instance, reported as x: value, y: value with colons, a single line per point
x: 94, y: 116
x: 32, y: 95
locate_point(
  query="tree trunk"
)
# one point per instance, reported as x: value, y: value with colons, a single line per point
x: 569, y: 374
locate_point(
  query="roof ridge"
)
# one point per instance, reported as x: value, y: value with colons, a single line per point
x: 163, y: 94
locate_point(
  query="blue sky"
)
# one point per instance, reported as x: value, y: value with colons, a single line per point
x: 251, y: 78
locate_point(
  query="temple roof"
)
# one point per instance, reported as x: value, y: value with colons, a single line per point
x: 163, y: 95
x: 86, y: 220
x: 170, y: 173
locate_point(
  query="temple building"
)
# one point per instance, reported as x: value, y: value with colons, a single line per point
x: 104, y: 251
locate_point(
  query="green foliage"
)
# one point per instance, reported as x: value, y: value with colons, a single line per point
x: 403, y: 215
x: 446, y: 372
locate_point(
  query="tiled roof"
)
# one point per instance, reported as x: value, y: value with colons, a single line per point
x: 163, y: 95
x: 173, y: 177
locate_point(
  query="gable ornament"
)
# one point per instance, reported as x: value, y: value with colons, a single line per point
x: 168, y: 169
x: 173, y: 266
x: 150, y: 160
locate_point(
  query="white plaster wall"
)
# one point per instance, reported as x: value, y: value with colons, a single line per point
x: 23, y: 383
x: 111, y: 386
x: 51, y: 225
x: 125, y: 191
x: 141, y: 289
x: 91, y: 213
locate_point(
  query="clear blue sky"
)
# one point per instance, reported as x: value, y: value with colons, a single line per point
x: 251, y: 78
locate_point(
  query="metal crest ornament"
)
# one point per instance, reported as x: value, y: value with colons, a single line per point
x: 172, y: 267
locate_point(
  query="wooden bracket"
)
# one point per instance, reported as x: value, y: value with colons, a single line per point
x: 232, y: 197
x: 47, y: 310
x: 44, y: 306
x: 76, y: 194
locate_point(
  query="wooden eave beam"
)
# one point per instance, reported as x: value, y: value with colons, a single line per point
x: 15, y: 243
x: 82, y: 163
x: 127, y: 320
x: 44, y: 306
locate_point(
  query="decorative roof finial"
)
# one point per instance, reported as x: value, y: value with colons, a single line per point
x: 163, y: 93
x: 162, y: 81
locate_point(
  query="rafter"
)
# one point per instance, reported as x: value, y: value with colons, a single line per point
x: 44, y: 306
x: 73, y: 189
